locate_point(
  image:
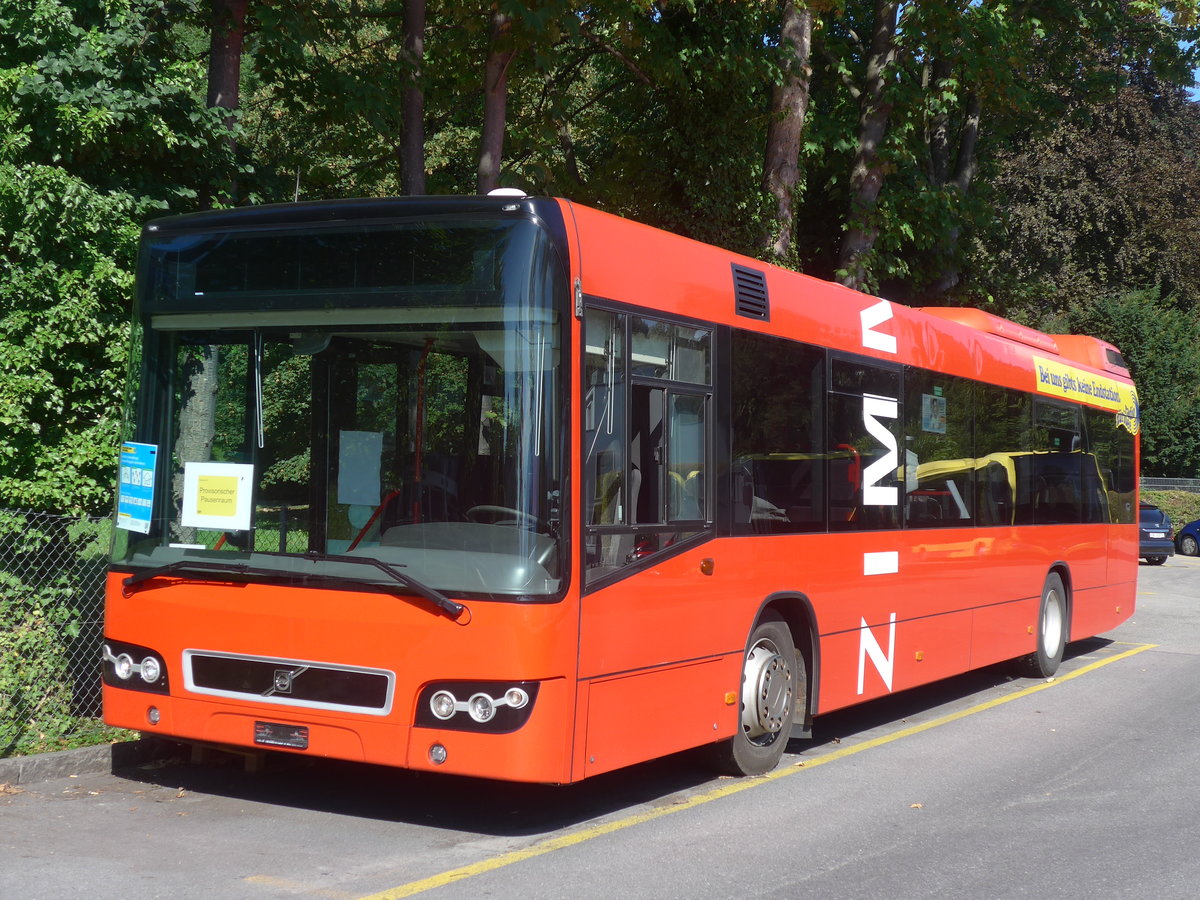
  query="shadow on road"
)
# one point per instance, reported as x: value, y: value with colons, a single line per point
x: 506, y: 809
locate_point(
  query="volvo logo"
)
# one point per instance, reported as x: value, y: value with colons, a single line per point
x: 284, y: 680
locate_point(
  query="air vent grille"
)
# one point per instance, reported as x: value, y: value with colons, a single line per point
x: 750, y: 293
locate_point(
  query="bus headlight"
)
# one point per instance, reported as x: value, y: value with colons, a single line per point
x: 443, y: 704
x: 492, y: 706
x: 481, y: 708
x: 123, y: 666
x: 121, y: 662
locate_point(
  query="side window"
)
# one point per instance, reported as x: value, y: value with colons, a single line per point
x: 646, y: 444
x: 778, y: 467
x: 864, y: 446
x: 939, y: 458
x: 1057, y: 469
x: 606, y: 447
x: 687, y: 448
x: 1111, y: 456
x: 647, y: 473
x: 1003, y: 461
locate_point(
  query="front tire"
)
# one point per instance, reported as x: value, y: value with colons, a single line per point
x: 772, y: 681
x: 1051, y: 631
x: 1188, y: 545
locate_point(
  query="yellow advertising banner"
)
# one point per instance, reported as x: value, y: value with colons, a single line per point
x: 1058, y: 379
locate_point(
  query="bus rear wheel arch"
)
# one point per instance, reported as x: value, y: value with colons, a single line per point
x: 773, y: 682
x: 1053, y: 629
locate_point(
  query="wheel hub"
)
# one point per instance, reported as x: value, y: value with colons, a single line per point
x: 1052, y: 625
x: 766, y: 691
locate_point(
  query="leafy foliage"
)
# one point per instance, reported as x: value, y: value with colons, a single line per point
x: 103, y: 117
x: 1162, y: 346
x: 1104, y: 201
x: 1037, y: 158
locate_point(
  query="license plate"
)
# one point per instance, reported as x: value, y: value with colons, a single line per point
x: 1158, y: 534
x: 273, y: 734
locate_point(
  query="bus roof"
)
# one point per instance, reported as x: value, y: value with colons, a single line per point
x: 637, y: 264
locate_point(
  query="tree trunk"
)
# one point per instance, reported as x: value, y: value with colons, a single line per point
x: 495, y: 99
x: 412, y: 152
x: 224, y: 73
x: 789, y: 108
x: 967, y: 141
x: 937, y: 133
x: 197, y: 421
x: 964, y: 172
x: 866, y: 175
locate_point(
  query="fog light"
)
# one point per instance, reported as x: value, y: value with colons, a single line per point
x: 516, y: 698
x: 153, y: 715
x: 123, y: 666
x: 443, y: 704
x: 150, y: 670
x: 481, y: 708
x: 437, y: 754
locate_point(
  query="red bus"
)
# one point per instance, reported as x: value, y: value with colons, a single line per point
x: 508, y: 487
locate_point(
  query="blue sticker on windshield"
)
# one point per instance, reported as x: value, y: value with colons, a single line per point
x: 135, y: 492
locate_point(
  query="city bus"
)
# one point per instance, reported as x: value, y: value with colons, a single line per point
x: 505, y: 486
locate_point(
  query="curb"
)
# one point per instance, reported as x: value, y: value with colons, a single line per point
x: 98, y: 760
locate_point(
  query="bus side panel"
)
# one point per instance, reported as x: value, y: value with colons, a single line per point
x: 651, y: 714
x: 875, y: 661
x: 1004, y: 631
x: 1102, y: 609
x: 931, y: 581
x: 1123, y: 555
x: 670, y: 613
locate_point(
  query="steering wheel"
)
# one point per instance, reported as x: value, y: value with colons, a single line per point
x: 503, y: 515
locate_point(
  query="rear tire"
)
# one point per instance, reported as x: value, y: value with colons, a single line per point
x: 1156, y: 560
x: 1051, y: 631
x: 772, y: 680
x: 1188, y: 545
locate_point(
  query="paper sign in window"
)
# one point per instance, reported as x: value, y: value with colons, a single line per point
x: 359, y: 456
x: 217, y: 495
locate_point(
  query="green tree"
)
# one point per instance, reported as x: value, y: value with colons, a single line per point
x: 102, y: 127
x: 1161, y: 343
x: 1104, y: 203
x: 912, y: 101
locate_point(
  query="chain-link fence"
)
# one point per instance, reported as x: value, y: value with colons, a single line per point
x: 1191, y: 485
x: 51, y: 620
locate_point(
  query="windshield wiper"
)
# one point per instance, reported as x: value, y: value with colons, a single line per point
x: 200, y: 565
x: 452, y: 608
x: 456, y: 611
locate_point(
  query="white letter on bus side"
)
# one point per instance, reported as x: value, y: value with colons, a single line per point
x: 868, y: 646
x: 877, y: 315
x: 875, y: 408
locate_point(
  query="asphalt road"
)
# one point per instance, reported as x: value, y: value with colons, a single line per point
x: 981, y: 786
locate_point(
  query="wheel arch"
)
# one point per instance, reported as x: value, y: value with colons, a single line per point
x: 797, y: 611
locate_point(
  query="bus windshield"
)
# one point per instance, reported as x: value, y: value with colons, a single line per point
x: 386, y: 391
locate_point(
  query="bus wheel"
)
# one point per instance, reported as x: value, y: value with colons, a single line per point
x: 768, y: 701
x: 1052, y: 630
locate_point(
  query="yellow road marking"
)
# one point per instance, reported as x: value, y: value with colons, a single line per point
x: 727, y: 790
